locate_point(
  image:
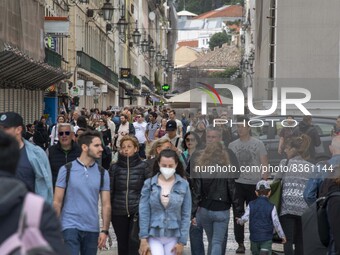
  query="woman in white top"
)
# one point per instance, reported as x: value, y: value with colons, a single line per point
x: 54, y: 132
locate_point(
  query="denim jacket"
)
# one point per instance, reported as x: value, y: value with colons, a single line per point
x: 157, y: 221
x: 43, y: 175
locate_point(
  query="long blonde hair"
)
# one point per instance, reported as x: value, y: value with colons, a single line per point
x: 214, y: 153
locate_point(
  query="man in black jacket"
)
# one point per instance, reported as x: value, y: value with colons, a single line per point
x: 66, y: 150
x: 12, y: 194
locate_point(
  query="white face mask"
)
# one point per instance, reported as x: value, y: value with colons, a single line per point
x: 167, y: 172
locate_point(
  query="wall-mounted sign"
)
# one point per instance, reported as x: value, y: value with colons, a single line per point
x: 125, y: 73
x: 166, y: 87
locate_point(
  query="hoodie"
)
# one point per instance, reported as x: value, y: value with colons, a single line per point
x: 12, y: 194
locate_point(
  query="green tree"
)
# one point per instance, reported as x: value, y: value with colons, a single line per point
x: 218, y: 39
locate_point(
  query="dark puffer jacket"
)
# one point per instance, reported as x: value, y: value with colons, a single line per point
x: 58, y: 157
x: 127, y: 180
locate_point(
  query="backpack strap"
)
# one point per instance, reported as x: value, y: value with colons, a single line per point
x: 68, y: 167
x: 330, y: 195
x: 177, y: 142
x: 102, y: 173
x: 31, y: 212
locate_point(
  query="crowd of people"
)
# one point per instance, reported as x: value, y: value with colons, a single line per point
x: 141, y: 166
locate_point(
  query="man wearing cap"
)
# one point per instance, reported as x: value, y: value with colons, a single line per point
x: 263, y: 218
x: 171, y: 134
x: 33, y: 166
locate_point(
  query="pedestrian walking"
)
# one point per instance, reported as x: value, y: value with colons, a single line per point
x: 14, y: 203
x: 33, y: 166
x: 213, y: 196
x: 127, y: 179
x: 66, y: 150
x: 165, y: 208
x: 250, y: 152
x: 78, y: 187
x: 54, y: 138
x: 263, y: 218
x: 161, y: 131
x: 293, y: 185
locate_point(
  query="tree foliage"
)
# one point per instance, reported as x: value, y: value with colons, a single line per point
x: 218, y: 39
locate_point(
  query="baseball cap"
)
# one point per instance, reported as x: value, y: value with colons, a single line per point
x: 171, y: 125
x: 261, y: 185
x: 11, y: 119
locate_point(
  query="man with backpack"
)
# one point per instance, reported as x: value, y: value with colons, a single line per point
x: 41, y: 233
x: 77, y: 191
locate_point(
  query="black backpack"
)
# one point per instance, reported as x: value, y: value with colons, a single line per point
x: 323, y: 223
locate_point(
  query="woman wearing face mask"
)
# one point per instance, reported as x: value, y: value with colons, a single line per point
x: 127, y: 179
x: 165, y: 208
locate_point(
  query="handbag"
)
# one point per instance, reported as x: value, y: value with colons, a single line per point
x: 134, y: 235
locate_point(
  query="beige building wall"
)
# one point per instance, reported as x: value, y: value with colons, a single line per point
x: 307, y: 41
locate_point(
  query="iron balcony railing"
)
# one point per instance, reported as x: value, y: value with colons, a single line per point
x: 94, y: 66
x: 52, y: 58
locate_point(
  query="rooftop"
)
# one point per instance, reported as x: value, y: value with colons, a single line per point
x: 186, y: 13
x: 225, y: 11
x: 226, y: 56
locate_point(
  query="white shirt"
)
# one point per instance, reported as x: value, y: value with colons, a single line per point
x: 140, y: 129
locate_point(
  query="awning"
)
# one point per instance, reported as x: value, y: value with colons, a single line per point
x: 17, y: 70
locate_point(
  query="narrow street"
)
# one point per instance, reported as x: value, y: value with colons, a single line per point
x: 231, y: 246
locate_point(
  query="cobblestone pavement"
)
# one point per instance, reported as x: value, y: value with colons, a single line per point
x: 231, y: 245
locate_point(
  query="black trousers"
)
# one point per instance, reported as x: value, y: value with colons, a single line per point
x: 244, y: 193
x: 122, y: 226
x: 292, y: 226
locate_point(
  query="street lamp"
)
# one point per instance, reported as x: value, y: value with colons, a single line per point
x: 107, y: 10
x: 151, y: 50
x: 136, y: 35
x: 163, y: 61
x: 144, y: 44
x: 158, y: 57
x: 122, y: 24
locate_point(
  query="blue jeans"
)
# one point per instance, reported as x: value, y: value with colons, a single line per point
x: 196, y: 239
x: 215, y: 224
x: 82, y: 242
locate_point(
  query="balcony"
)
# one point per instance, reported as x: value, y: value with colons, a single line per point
x: 52, y: 58
x: 94, y: 66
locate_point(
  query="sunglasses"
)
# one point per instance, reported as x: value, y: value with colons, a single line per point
x: 67, y: 133
x: 190, y: 139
